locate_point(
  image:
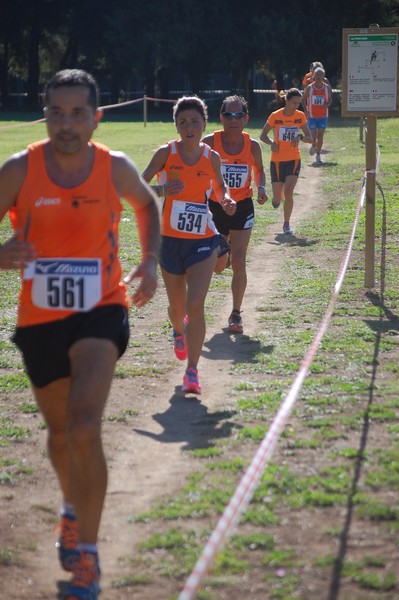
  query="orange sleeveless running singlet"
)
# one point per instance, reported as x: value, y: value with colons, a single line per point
x: 236, y: 168
x: 285, y: 128
x: 317, y: 101
x: 75, y: 235
x: 186, y: 215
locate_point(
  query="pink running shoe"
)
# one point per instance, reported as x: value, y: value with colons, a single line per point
x: 180, y: 342
x: 190, y: 381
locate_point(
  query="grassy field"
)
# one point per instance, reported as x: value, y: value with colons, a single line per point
x: 352, y: 390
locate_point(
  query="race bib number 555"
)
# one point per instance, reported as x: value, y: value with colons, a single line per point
x: 67, y: 284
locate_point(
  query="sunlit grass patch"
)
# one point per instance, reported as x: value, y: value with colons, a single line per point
x: 207, y: 452
x: 123, y: 371
x: 11, y: 431
x: 11, y: 470
x: 29, y: 408
x: 13, y: 382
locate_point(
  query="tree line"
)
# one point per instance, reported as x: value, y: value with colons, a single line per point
x: 120, y: 41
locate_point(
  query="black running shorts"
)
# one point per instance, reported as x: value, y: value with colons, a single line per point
x: 279, y: 171
x: 45, y: 347
x: 243, y: 218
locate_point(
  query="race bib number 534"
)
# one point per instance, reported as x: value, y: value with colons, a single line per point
x: 189, y: 217
x: 67, y: 284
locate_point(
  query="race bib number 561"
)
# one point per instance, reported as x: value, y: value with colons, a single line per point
x: 67, y: 284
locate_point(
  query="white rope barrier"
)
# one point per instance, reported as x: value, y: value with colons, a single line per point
x: 245, y: 489
x: 128, y: 103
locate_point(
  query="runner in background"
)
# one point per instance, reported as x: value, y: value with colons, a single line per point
x: 309, y: 77
x: 316, y: 100
x: 241, y: 156
x: 187, y: 169
x: 285, y: 163
x: 63, y: 194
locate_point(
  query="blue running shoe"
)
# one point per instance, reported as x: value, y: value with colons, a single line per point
x: 68, y: 538
x: 85, y: 583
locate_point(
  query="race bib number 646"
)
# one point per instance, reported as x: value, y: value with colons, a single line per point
x: 67, y: 284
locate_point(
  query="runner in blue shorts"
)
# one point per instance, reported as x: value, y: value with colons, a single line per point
x: 186, y: 170
x: 316, y: 100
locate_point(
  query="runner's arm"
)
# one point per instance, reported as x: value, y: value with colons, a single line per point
x: 265, y: 138
x: 16, y: 252
x: 156, y: 164
x: 136, y: 191
x: 259, y: 171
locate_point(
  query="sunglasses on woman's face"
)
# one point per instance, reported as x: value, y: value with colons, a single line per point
x: 233, y: 115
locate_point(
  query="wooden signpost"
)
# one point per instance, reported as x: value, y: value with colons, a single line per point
x: 370, y: 80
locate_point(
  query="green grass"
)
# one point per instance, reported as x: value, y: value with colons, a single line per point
x: 350, y: 394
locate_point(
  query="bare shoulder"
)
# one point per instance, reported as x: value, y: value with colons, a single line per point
x: 255, y: 146
x: 12, y: 176
x: 121, y: 164
x: 16, y: 162
x: 215, y: 156
x: 208, y: 139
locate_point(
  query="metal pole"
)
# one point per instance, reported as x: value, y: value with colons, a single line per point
x: 145, y: 110
x: 371, y: 157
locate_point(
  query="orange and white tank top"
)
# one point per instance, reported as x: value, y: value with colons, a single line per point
x: 318, y: 100
x: 285, y: 129
x: 75, y: 235
x: 186, y: 215
x: 236, y: 168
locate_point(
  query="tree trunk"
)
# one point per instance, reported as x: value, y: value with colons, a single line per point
x: 33, y: 58
x: 4, y: 92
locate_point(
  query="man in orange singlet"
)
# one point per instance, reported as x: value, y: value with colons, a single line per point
x: 241, y: 156
x: 63, y: 197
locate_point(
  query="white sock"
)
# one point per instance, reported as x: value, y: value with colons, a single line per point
x: 68, y: 509
x: 88, y: 548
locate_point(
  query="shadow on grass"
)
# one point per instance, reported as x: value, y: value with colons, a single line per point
x: 188, y: 420
x: 234, y: 347
x: 293, y: 240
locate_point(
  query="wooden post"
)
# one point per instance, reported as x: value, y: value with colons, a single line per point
x: 145, y: 110
x: 361, y: 129
x: 371, y: 157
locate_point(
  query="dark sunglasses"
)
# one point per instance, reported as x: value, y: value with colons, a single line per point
x: 234, y: 115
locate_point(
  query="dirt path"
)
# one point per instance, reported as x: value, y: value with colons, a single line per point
x: 146, y: 449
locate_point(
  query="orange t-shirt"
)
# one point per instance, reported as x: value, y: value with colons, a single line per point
x: 285, y: 128
x: 236, y: 168
x: 75, y: 235
x: 186, y: 215
x: 317, y: 101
